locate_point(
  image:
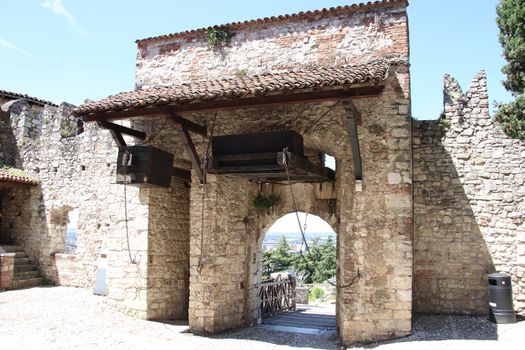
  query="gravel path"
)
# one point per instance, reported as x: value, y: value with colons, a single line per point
x: 69, y: 318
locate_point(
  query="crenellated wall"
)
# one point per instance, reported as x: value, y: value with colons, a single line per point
x: 469, y: 204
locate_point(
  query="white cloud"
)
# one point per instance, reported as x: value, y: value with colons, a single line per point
x: 57, y: 7
x: 10, y: 46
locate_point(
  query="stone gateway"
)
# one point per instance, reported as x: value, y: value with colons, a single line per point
x: 423, y: 210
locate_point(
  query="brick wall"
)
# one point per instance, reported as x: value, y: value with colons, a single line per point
x: 322, y: 40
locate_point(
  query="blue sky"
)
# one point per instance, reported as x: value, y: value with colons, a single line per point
x: 66, y: 50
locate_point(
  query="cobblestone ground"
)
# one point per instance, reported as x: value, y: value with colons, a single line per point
x: 69, y: 318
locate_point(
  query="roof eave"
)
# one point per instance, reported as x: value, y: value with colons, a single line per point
x: 361, y: 90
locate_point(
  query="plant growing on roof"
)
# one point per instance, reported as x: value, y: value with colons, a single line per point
x: 217, y: 36
x: 241, y: 73
x: 17, y: 172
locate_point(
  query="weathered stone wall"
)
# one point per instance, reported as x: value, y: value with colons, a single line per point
x: 7, y: 269
x: 79, y: 172
x: 326, y: 39
x: 469, y: 205
x: 20, y: 120
x: 378, y: 223
x: 168, y: 252
x: 15, y: 213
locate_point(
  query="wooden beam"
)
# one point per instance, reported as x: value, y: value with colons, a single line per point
x: 192, y: 152
x: 116, y: 134
x: 353, y: 116
x: 122, y: 129
x: 189, y: 125
x: 252, y: 101
x: 181, y: 173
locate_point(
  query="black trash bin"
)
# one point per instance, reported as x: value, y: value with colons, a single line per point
x: 500, y: 299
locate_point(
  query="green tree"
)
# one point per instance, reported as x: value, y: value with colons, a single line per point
x: 267, y: 262
x: 279, y: 259
x: 511, y: 23
x: 320, y: 264
x: 327, y: 261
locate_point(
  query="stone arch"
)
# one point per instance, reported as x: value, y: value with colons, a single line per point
x: 306, y: 200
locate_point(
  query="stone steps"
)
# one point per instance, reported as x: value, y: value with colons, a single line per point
x: 20, y: 255
x: 22, y: 261
x: 26, y: 274
x: 22, y: 275
x: 25, y: 267
x: 12, y: 248
x: 26, y: 283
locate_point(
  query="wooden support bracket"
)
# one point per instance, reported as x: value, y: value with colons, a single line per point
x: 354, y: 118
x: 183, y: 128
x: 117, y: 131
x: 189, y: 125
x: 181, y: 173
x: 192, y: 152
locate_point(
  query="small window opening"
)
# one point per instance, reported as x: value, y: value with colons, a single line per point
x: 329, y: 161
x: 72, y: 232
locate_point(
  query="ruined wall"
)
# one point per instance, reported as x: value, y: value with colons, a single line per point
x: 14, y: 212
x: 325, y: 39
x: 469, y: 205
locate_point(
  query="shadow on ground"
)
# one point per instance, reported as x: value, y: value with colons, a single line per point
x: 428, y: 327
x: 261, y: 333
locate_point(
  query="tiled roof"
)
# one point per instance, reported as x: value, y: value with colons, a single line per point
x: 300, y: 15
x: 17, y: 176
x: 206, y: 90
x: 34, y: 100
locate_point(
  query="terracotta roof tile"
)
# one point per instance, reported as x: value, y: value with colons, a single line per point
x: 315, y: 77
x: 17, y: 176
x: 34, y: 100
x: 300, y: 15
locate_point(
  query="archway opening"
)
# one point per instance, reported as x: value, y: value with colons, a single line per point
x: 298, y: 274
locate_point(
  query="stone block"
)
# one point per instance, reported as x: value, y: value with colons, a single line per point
x: 394, y: 178
x: 394, y: 201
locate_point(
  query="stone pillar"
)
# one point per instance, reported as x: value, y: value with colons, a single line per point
x: 168, y: 252
x: 127, y: 275
x: 7, y: 269
x: 218, y: 258
x: 376, y: 224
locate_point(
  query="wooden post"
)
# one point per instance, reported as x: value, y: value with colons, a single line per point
x: 354, y: 117
x: 192, y: 152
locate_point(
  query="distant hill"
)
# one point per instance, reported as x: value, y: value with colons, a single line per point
x: 274, y: 236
